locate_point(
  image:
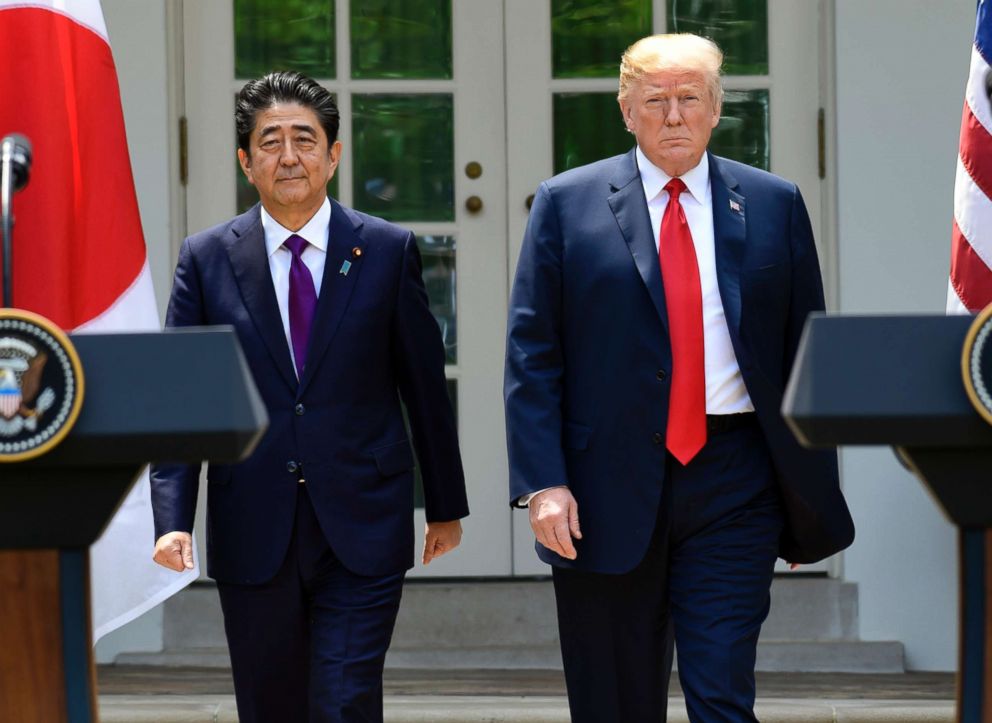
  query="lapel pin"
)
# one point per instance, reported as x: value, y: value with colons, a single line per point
x: 345, y: 267
x: 734, y: 206
x: 356, y: 253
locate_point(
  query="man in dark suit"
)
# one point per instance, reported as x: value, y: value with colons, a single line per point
x: 310, y: 537
x: 657, y: 307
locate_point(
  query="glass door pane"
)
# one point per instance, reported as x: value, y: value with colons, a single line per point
x: 297, y: 34
x: 401, y: 39
x: 589, y: 36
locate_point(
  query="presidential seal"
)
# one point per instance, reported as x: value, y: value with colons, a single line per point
x: 41, y: 385
x: 976, y: 363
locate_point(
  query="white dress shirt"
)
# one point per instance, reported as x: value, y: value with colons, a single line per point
x: 315, y: 232
x: 725, y: 390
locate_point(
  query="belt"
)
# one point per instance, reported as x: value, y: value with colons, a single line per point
x: 716, y: 423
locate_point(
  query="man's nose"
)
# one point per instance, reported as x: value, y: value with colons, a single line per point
x: 288, y: 157
x: 673, y: 116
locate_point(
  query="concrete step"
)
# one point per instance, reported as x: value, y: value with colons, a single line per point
x: 812, y: 608
x: 830, y: 656
x: 812, y: 626
x: 529, y: 709
x: 132, y: 695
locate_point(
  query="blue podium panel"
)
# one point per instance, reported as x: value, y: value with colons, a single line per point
x: 892, y: 380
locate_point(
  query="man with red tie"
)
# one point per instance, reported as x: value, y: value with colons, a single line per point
x: 310, y: 537
x: 656, y: 311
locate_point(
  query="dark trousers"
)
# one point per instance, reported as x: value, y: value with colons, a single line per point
x: 705, y: 580
x: 309, y: 645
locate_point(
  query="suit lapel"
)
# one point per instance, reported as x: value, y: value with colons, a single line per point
x: 631, y: 211
x: 246, y: 249
x: 335, y: 287
x: 729, y: 230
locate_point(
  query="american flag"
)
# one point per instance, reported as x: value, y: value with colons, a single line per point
x: 970, y: 286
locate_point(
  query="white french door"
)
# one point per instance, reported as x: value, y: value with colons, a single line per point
x: 452, y: 112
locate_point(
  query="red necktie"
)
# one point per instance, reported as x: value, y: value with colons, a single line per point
x: 684, y: 298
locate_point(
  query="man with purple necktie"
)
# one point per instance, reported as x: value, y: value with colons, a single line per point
x: 309, y: 538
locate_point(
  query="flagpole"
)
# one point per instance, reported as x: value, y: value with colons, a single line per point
x: 7, y: 224
x: 15, y: 161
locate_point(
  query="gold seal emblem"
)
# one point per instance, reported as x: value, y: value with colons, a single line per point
x: 41, y: 385
x: 976, y: 363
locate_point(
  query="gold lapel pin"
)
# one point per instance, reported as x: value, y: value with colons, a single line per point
x: 356, y: 252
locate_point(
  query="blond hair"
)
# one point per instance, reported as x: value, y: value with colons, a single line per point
x: 676, y: 51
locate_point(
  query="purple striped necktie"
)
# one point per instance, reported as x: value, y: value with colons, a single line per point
x: 302, y: 301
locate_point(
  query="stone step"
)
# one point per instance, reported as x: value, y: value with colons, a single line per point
x: 773, y: 656
x: 510, y: 612
x: 830, y: 656
x: 531, y: 709
x: 812, y: 608
x: 812, y: 626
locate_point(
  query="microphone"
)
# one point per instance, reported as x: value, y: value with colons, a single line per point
x: 15, y: 150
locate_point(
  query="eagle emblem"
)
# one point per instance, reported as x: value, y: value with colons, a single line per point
x: 41, y: 385
x: 23, y: 402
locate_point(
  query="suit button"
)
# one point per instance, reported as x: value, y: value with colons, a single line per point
x: 300, y: 410
x: 661, y: 375
x: 658, y: 439
x: 291, y: 466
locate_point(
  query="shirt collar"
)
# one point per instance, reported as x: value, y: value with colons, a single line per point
x: 654, y: 180
x: 314, y: 231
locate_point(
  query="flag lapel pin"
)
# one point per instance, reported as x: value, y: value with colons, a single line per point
x: 345, y: 267
x: 734, y: 206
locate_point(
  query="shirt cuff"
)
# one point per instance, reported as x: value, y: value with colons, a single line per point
x: 524, y: 500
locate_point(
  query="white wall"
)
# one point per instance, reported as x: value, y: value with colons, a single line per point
x: 137, y: 33
x: 901, y: 70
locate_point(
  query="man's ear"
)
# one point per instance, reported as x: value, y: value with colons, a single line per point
x: 625, y: 114
x: 334, y: 153
x: 244, y: 160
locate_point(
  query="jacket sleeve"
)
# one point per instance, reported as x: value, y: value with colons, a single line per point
x: 532, y: 382
x: 419, y: 360
x: 174, y: 486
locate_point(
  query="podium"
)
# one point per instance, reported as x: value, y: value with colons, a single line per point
x: 896, y: 380
x: 178, y: 396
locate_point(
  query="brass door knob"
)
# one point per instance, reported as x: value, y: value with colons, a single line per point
x: 473, y: 169
x: 473, y: 204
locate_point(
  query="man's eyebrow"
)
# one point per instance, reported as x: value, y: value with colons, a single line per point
x: 305, y: 127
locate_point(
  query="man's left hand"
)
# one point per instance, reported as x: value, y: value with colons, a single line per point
x: 441, y: 537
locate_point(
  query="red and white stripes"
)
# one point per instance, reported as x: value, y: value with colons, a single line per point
x: 970, y: 284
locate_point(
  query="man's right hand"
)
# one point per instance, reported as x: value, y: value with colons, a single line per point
x: 174, y: 550
x: 554, y: 517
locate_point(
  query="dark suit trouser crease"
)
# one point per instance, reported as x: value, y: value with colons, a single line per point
x: 705, y: 580
x: 310, y: 644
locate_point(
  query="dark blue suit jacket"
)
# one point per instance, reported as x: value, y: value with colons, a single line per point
x: 373, y: 341
x: 588, y: 359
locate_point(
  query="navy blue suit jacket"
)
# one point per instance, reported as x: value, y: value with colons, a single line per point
x: 373, y: 341
x: 588, y: 359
